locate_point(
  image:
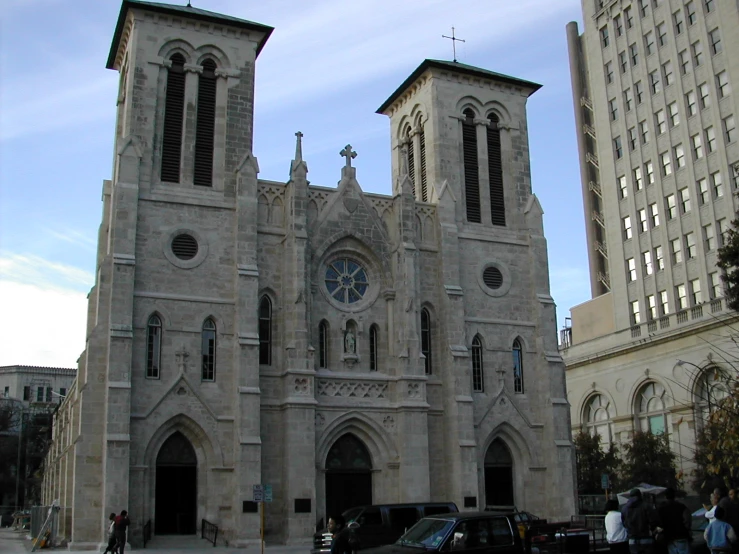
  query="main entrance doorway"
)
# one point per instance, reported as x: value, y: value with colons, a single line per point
x: 348, y: 475
x: 176, y: 487
x: 498, y: 475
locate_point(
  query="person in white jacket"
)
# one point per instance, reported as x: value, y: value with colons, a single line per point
x: 616, y: 535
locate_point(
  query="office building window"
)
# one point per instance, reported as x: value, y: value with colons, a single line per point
x: 677, y: 251
x: 715, y: 38
x: 660, y: 121
x: 629, y: 98
x: 679, y: 152
x: 674, y: 115
x: 654, y: 83
x: 618, y: 150
x: 710, y: 139
x: 684, y: 200
x: 635, y: 317
x: 671, y: 206
x: 690, y: 248
x: 717, y: 184
x: 678, y: 21
x: 644, y: 130
x: 695, y: 292
x: 613, y: 109
x: 667, y: 72
x: 634, y: 54
x: 710, y: 5
x: 697, y: 52
x: 664, y: 302
x: 623, y: 61
x: 681, y: 297
x: 709, y: 237
x: 643, y: 224
x: 604, y: 38
x: 723, y: 231
x: 649, y: 173
x: 703, y: 190
x: 647, y: 263
x: 638, y: 181
x: 629, y: 17
x: 690, y: 12
x: 730, y: 128
x: 639, y: 92
x: 662, y: 34
x: 716, y: 290
x: 654, y: 214
x: 684, y: 62
x: 666, y: 163
x: 633, y: 141
x: 608, y: 70
x: 651, y: 307
x: 618, y: 24
x: 697, y: 145
x: 649, y: 43
x: 622, y: 186
x: 631, y: 269
x: 705, y: 95
x: 724, y: 88
x: 659, y: 260
x: 690, y: 103
x: 626, y: 222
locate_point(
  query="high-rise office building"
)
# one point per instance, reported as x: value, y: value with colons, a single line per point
x: 655, y: 86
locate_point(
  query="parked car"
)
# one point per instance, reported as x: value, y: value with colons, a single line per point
x: 380, y: 524
x: 459, y: 533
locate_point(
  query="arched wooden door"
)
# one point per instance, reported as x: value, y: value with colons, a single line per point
x: 176, y: 488
x: 348, y: 475
x: 498, y: 475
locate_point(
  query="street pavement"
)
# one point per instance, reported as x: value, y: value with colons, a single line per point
x: 15, y: 542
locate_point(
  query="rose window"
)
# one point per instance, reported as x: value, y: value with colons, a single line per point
x: 346, y: 281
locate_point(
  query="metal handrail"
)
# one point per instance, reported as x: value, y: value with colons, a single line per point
x: 209, y: 531
x: 147, y: 532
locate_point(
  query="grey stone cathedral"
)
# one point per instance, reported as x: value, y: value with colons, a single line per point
x: 343, y: 347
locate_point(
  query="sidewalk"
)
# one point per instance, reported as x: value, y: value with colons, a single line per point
x: 15, y: 542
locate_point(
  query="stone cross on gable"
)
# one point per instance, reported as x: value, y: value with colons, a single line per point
x: 299, y: 147
x: 182, y: 355
x: 349, y: 154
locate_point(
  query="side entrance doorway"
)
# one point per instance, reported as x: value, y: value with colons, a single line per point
x: 348, y: 475
x: 176, y: 488
x: 498, y: 476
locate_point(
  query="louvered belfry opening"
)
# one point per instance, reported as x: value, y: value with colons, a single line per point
x: 495, y: 171
x: 174, y: 105
x: 424, y: 181
x: 206, y: 122
x: 471, y: 169
x: 411, y: 161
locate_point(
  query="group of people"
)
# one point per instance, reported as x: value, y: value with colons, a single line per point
x: 117, y: 533
x: 640, y: 527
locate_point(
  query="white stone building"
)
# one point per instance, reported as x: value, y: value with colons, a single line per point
x: 35, y: 384
x: 343, y: 347
x: 655, y: 86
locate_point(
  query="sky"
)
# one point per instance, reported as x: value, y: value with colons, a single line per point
x: 327, y: 67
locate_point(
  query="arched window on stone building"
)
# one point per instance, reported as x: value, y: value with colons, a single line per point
x: 422, y: 161
x: 208, y: 350
x: 471, y: 169
x: 651, y: 408
x: 153, y: 347
x: 598, y: 418
x: 517, y: 367
x: 426, y: 339
x: 478, y: 381
x: 205, y: 126
x: 323, y: 344
x: 711, y: 387
x: 174, y: 107
x: 411, y: 159
x: 265, y: 331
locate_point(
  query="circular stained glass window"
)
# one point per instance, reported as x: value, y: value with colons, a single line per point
x: 346, y: 281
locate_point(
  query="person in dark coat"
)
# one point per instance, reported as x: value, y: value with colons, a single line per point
x: 121, y: 525
x: 640, y: 520
x: 675, y: 521
x: 340, y: 543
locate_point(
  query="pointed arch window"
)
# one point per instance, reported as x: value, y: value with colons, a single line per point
x: 422, y: 155
x: 205, y: 127
x: 471, y: 169
x: 373, y: 347
x: 265, y: 331
x: 495, y: 172
x: 208, y: 350
x: 426, y: 339
x: 411, y: 159
x: 478, y: 382
x: 517, y: 367
x: 153, y: 347
x: 174, y: 106
x: 323, y: 344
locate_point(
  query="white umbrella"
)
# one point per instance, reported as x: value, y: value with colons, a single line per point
x: 645, y: 488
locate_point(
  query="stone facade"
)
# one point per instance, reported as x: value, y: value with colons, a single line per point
x: 644, y: 352
x: 377, y: 348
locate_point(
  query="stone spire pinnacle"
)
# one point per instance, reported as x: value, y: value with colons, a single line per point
x: 299, y: 147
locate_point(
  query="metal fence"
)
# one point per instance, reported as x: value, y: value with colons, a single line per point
x: 209, y: 531
x: 38, y: 517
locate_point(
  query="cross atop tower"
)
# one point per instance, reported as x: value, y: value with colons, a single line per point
x: 454, y: 40
x: 349, y: 154
x: 299, y: 147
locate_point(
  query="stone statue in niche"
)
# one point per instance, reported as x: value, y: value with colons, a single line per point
x: 350, y: 344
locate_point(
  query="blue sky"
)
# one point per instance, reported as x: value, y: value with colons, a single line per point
x: 327, y: 67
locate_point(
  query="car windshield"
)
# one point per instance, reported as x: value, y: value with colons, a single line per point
x: 427, y: 533
x: 351, y: 515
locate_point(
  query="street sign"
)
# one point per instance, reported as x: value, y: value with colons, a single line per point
x: 267, y: 493
x: 259, y: 493
x: 604, y: 481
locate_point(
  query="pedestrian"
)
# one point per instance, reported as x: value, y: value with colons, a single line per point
x: 675, y: 521
x: 616, y: 535
x: 121, y: 524
x: 719, y: 535
x: 112, y: 542
x: 641, y: 520
x: 710, y: 510
x: 339, y: 535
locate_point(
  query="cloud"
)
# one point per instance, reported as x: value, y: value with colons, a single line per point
x: 86, y: 241
x: 38, y: 272
x: 40, y: 325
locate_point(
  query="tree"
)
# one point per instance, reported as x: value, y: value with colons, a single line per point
x: 649, y: 459
x: 728, y: 260
x: 717, y: 447
x: 593, y: 462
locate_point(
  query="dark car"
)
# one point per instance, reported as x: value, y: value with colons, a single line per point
x: 380, y: 524
x: 468, y: 532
